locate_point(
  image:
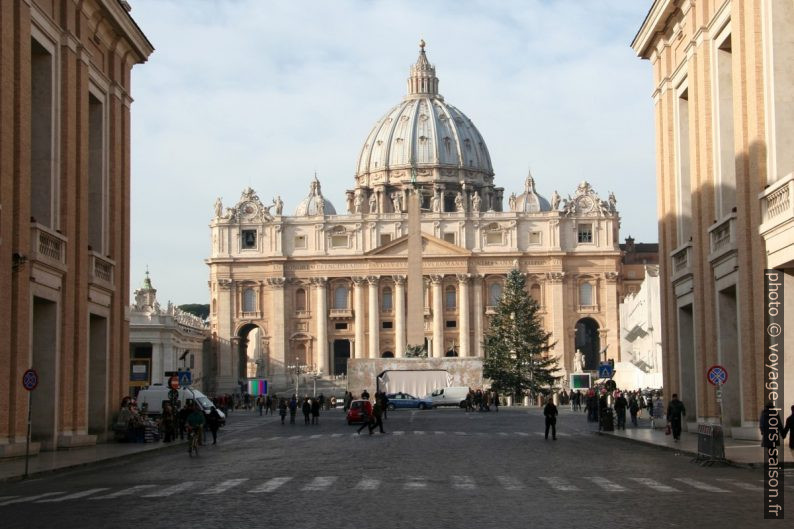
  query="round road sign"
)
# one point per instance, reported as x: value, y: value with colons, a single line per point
x: 173, y: 382
x: 30, y: 379
x: 717, y: 375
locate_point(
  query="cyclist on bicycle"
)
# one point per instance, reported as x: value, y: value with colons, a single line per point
x: 195, y: 421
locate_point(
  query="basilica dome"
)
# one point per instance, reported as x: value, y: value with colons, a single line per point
x: 315, y: 203
x: 425, y: 135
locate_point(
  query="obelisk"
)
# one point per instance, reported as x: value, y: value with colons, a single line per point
x: 415, y: 287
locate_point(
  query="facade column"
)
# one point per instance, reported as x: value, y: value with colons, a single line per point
x: 399, y: 316
x: 556, y: 295
x: 478, y: 315
x: 463, y: 314
x: 438, y: 317
x: 611, y: 310
x: 374, y: 317
x: 358, y: 308
x: 320, y: 294
x: 279, y: 322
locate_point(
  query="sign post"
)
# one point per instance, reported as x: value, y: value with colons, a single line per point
x: 717, y: 375
x: 30, y: 379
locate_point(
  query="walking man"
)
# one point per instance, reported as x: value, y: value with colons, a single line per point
x: 377, y: 413
x: 293, y: 408
x: 634, y: 408
x: 675, y: 412
x: 550, y: 412
x: 282, y: 409
x: 620, y: 409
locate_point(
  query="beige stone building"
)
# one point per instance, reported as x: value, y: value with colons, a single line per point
x: 64, y: 223
x: 723, y: 87
x: 323, y: 285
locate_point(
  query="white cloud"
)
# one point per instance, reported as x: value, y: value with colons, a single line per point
x: 259, y: 93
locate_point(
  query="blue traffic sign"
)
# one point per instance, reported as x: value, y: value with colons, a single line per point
x: 717, y: 375
x: 185, y: 378
x: 30, y: 379
x: 605, y: 371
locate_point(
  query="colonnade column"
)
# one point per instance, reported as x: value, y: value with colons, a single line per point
x: 399, y: 316
x: 555, y: 294
x: 276, y: 285
x: 374, y: 317
x: 478, y: 315
x: 463, y: 314
x: 438, y: 317
x: 320, y: 294
x: 358, y: 307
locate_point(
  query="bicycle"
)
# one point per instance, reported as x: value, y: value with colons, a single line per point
x: 193, y: 440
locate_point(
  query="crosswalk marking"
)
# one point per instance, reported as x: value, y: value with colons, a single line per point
x: 461, y: 433
x: 170, y: 491
x: 418, y: 432
x: 123, y: 492
x: 463, y: 482
x: 700, y: 485
x: 320, y: 483
x: 655, y: 485
x: 510, y: 483
x: 270, y: 485
x: 274, y: 438
x: 294, y: 437
x: 503, y: 434
x: 368, y: 484
x: 522, y: 434
x: 4, y: 498
x: 439, y: 432
x: 397, y: 432
x: 415, y: 483
x: 31, y: 498
x: 741, y: 484
x: 607, y: 485
x: 336, y: 435
x: 76, y: 495
x: 223, y: 486
x: 316, y: 436
x: 559, y: 484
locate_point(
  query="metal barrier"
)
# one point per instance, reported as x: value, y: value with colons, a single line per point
x: 711, y: 444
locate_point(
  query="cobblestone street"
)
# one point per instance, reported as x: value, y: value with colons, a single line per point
x: 440, y: 468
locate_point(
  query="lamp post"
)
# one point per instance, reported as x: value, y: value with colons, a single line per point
x: 298, y: 369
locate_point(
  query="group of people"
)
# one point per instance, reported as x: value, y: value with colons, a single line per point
x: 482, y: 400
x: 136, y: 425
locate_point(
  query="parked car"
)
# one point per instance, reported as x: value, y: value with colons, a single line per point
x: 449, y: 396
x: 404, y: 400
x: 356, y: 411
x: 156, y: 394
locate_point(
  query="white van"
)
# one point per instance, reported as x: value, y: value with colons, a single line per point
x: 154, y: 395
x: 449, y: 396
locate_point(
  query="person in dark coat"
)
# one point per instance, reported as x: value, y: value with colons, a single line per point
x: 315, y: 411
x: 213, y: 423
x: 620, y: 410
x: 675, y: 413
x: 789, y: 429
x: 306, y: 408
x: 634, y: 409
x: 282, y: 409
x: 293, y: 408
x: 377, y: 417
x: 768, y: 437
x: 550, y: 412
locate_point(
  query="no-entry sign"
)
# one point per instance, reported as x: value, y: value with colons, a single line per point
x: 717, y: 375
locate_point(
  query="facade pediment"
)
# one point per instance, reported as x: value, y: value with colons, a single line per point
x: 430, y: 246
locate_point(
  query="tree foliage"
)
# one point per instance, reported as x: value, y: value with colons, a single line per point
x: 516, y: 344
x: 197, y: 309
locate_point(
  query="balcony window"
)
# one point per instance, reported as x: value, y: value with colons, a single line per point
x: 341, y: 295
x: 249, y: 300
x: 494, y: 294
x: 451, y: 298
x: 386, y: 299
x: 300, y: 299
x: 586, y: 295
x: 584, y: 233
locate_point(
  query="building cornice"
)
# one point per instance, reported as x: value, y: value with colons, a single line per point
x: 654, y: 23
x: 127, y: 26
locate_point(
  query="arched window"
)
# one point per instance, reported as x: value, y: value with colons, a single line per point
x: 451, y: 298
x: 534, y: 292
x: 494, y: 293
x: 586, y: 294
x: 387, y: 354
x: 300, y: 299
x: 249, y: 300
x: 341, y: 297
x: 386, y: 299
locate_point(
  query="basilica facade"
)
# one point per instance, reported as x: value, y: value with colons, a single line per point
x: 322, y: 286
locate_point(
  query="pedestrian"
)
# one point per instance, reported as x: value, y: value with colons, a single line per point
x: 634, y: 409
x: 293, y: 408
x: 550, y: 412
x: 260, y: 404
x: 384, y: 403
x: 770, y: 437
x: 307, y: 410
x: 213, y: 423
x: 181, y: 417
x: 495, y: 400
x: 377, y: 417
x: 789, y: 428
x: 620, y: 409
x: 268, y: 404
x: 347, y: 400
x: 282, y: 410
x: 675, y: 412
x: 658, y: 411
x: 365, y: 395
x: 366, y: 417
x: 316, y: 405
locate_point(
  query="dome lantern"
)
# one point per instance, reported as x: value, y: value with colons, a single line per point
x: 423, y: 81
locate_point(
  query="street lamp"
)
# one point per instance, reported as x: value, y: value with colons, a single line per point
x: 298, y: 369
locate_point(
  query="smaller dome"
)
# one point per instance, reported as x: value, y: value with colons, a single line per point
x: 530, y: 201
x: 315, y: 203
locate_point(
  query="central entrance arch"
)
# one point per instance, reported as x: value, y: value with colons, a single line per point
x: 341, y: 356
x: 251, y: 361
x: 588, y: 341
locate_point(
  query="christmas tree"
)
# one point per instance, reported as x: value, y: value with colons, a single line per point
x: 516, y: 344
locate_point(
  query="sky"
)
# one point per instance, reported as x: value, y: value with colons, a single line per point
x: 263, y: 93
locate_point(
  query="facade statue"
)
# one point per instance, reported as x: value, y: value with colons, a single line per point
x: 459, y: 203
x: 320, y: 205
x: 396, y: 201
x: 351, y: 206
x: 279, y: 205
x: 436, y: 203
x: 578, y: 361
x: 476, y: 202
x: 613, y: 202
x: 373, y: 202
x: 218, y: 208
x: 555, y: 201
x: 358, y: 203
x: 511, y: 202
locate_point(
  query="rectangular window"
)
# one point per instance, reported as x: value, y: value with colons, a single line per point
x: 96, y: 174
x: 584, y: 233
x: 534, y: 237
x: 452, y: 324
x: 340, y: 326
x: 248, y: 239
x: 300, y: 242
x: 683, y: 184
x: 449, y: 237
x: 41, y: 134
x: 493, y: 238
x: 339, y: 241
x: 387, y: 325
x: 385, y: 238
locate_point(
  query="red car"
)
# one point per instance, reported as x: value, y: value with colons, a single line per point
x: 358, y: 410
